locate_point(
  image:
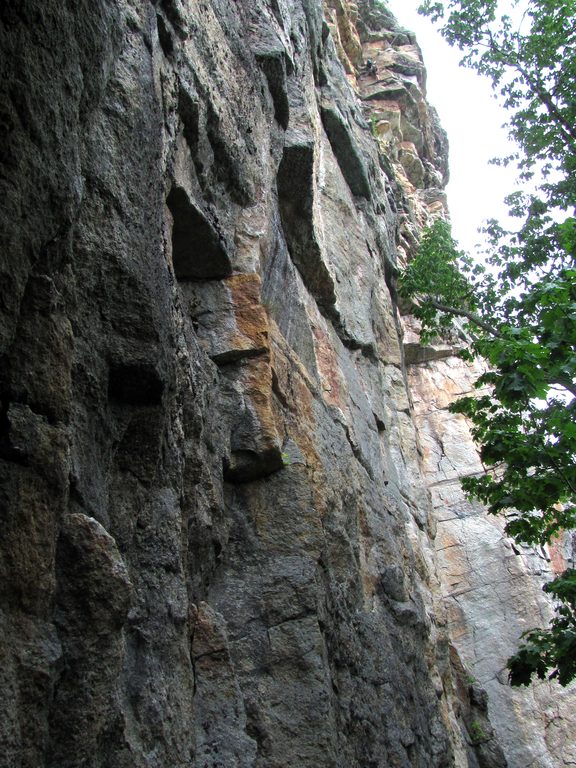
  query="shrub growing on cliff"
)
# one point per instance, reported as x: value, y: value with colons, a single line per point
x: 520, y: 313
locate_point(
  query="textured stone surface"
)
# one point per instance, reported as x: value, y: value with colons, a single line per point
x: 217, y: 541
x: 492, y: 588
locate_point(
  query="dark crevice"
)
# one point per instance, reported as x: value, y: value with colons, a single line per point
x: 357, y: 453
x: 8, y: 452
x: 135, y: 384
x: 380, y: 426
x: 273, y: 65
x: 367, y: 350
x: 231, y: 356
x: 246, y: 465
x: 198, y: 252
x: 346, y: 152
x: 164, y: 36
x: 295, y: 182
x: 189, y: 111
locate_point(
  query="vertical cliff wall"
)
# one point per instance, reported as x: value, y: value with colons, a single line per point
x: 492, y: 587
x: 217, y: 538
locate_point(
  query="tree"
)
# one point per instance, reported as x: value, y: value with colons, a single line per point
x: 518, y: 309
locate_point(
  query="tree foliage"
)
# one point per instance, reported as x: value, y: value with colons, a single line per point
x: 518, y: 308
x: 553, y: 648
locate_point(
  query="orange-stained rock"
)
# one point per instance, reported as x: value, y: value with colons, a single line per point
x: 342, y: 16
x: 328, y: 368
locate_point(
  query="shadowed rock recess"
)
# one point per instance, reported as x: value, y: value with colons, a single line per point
x: 218, y: 540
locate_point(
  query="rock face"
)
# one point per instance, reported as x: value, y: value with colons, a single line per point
x: 492, y: 587
x: 218, y: 546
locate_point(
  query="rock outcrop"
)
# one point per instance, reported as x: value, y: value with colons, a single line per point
x: 492, y: 587
x: 218, y: 544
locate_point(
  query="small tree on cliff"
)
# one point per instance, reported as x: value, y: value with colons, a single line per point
x: 520, y: 312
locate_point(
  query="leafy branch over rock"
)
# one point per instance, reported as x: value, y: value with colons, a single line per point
x: 519, y: 311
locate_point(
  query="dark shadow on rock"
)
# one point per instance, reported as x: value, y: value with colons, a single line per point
x: 197, y: 249
x: 273, y: 64
x: 346, y: 152
x: 135, y: 384
x: 296, y: 200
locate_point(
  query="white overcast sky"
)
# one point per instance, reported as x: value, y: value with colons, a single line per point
x: 473, y: 119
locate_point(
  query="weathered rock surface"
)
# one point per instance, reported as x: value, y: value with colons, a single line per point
x: 492, y: 588
x: 218, y: 542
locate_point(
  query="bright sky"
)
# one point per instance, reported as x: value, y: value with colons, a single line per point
x: 473, y: 119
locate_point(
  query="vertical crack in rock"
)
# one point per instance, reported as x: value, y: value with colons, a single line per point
x: 273, y: 64
x: 296, y: 189
x: 346, y: 153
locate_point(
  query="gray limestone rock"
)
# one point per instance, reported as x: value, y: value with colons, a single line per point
x: 217, y: 539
